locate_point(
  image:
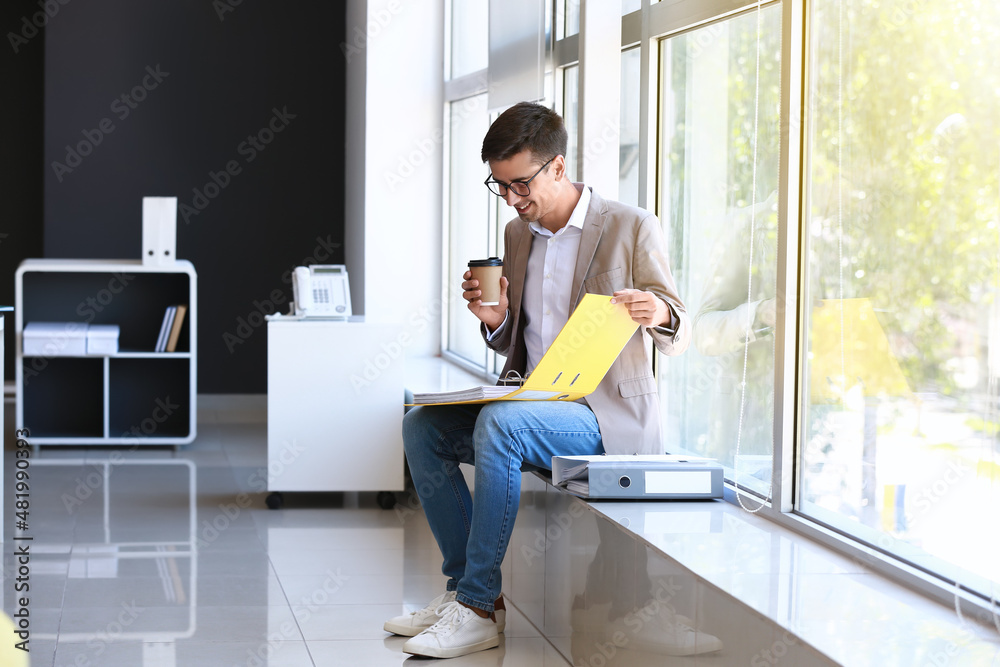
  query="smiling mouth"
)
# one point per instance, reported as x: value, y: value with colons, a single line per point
x: 522, y: 209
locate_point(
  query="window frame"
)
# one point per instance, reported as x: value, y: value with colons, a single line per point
x: 456, y: 91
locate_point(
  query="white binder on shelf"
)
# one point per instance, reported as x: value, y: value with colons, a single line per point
x: 54, y: 339
x: 639, y: 476
x: 103, y: 339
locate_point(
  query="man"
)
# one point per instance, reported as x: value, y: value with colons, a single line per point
x: 566, y: 241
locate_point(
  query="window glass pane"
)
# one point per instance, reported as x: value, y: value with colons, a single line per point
x: 572, y: 25
x: 718, y: 207
x: 469, y: 36
x: 628, y: 164
x: 571, y: 116
x: 900, y: 401
x: 468, y: 220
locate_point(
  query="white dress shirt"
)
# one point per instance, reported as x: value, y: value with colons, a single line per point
x: 548, y: 281
x: 545, y: 302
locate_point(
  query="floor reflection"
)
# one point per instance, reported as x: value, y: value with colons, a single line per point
x: 632, y: 611
x: 127, y: 570
x: 164, y: 558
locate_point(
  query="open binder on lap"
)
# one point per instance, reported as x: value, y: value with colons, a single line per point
x: 573, y: 366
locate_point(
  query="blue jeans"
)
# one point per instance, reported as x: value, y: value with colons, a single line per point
x: 499, y: 439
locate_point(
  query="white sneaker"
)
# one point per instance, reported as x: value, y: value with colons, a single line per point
x: 459, y: 632
x: 416, y: 622
x: 668, y: 635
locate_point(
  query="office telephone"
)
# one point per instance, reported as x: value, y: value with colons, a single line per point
x: 321, y: 290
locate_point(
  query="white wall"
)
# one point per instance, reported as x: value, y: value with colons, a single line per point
x: 394, y: 154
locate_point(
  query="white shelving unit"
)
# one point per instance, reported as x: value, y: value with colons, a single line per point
x: 134, y: 397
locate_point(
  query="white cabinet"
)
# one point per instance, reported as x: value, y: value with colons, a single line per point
x: 135, y: 396
x: 334, y: 406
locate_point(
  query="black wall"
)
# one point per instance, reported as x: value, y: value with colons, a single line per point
x: 237, y: 113
x: 21, y: 66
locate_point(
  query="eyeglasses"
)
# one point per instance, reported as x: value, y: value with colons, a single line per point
x: 520, y: 188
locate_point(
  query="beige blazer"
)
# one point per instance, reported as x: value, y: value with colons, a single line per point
x: 621, y: 247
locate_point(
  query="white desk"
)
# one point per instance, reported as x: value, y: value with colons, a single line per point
x: 334, y: 406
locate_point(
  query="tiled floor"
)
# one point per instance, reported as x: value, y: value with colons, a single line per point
x: 157, y: 558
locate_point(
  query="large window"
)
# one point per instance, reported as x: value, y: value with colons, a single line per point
x: 469, y: 228
x: 900, y: 399
x: 474, y: 222
x: 718, y: 170
x: 844, y: 285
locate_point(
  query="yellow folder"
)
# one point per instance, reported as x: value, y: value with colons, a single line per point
x: 574, y: 364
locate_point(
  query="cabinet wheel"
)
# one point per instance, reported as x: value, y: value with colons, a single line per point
x: 386, y: 499
x: 274, y: 500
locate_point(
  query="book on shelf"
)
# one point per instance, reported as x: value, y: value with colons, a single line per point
x: 175, y: 328
x: 168, y: 320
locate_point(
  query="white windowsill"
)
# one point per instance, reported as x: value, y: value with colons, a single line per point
x: 835, y: 604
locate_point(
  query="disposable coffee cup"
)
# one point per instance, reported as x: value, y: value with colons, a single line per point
x: 488, y: 272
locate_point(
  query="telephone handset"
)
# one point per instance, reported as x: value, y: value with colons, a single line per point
x: 321, y: 291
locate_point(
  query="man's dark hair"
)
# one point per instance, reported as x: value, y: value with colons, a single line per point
x: 526, y: 126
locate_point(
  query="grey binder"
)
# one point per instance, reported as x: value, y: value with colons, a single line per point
x: 667, y: 476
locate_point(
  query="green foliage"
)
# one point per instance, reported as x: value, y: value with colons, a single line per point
x: 903, y: 178
x: 988, y: 428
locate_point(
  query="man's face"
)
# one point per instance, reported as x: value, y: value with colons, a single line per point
x: 543, y: 188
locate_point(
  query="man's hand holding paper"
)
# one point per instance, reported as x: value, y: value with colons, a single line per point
x: 645, y: 308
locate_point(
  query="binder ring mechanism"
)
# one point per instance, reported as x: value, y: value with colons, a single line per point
x: 513, y: 378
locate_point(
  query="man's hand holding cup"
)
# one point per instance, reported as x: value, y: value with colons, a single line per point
x: 485, y: 288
